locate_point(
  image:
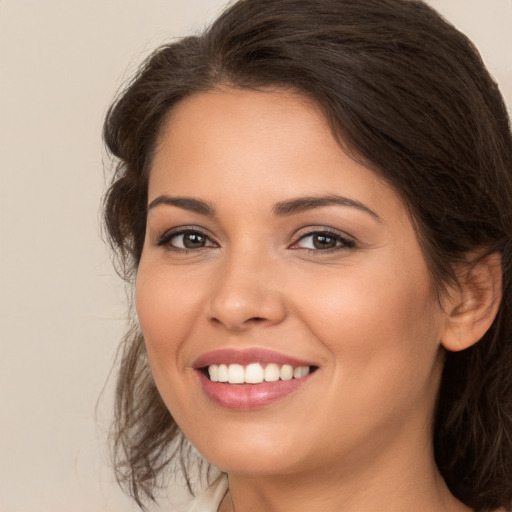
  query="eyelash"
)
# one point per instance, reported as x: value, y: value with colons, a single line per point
x: 165, y: 239
x: 342, y: 242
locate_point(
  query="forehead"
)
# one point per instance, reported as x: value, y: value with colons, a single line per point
x: 268, y: 145
x: 221, y: 120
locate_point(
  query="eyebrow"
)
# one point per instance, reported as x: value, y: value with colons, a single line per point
x: 302, y: 204
x: 187, y: 203
x: 281, y: 209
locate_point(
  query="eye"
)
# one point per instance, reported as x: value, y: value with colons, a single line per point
x: 323, y: 241
x: 186, y: 240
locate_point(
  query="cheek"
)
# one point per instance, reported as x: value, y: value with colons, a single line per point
x: 166, y: 297
x: 378, y: 316
x: 382, y: 333
x: 154, y: 307
x: 167, y: 313
x: 165, y: 309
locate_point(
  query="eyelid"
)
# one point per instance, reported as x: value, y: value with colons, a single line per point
x: 347, y: 241
x: 167, y: 236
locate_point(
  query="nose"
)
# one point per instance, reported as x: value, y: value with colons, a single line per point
x: 246, y: 293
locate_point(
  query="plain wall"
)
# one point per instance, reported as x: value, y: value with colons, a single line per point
x: 62, y: 307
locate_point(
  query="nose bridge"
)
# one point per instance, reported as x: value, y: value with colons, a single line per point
x: 246, y: 290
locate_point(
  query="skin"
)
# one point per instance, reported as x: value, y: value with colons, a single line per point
x: 357, y: 436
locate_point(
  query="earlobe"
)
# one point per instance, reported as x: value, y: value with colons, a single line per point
x: 472, y: 305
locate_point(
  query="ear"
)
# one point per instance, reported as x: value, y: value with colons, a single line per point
x: 472, y: 305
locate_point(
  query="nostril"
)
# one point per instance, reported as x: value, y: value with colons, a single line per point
x: 239, y: 326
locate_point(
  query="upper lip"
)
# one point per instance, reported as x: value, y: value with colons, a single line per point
x: 246, y: 356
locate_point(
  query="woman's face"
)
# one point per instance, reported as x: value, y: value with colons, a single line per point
x: 268, y: 250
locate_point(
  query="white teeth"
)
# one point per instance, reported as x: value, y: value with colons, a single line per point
x: 254, y: 373
x: 286, y: 372
x: 235, y: 374
x: 271, y: 372
x: 213, y: 372
x: 223, y: 373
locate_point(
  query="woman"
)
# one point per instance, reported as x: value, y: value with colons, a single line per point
x: 313, y: 199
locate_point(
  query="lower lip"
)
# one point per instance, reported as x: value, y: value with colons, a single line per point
x: 249, y: 396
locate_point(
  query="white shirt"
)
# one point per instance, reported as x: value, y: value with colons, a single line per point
x: 209, y: 500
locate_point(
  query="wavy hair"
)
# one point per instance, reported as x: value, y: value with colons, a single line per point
x: 408, y: 95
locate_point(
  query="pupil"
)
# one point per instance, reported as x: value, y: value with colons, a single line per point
x: 324, y: 242
x: 193, y: 241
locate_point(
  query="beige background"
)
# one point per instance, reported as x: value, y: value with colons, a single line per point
x: 62, y: 307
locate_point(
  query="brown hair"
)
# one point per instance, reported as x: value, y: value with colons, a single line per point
x: 410, y: 97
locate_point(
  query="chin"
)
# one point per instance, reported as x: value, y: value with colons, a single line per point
x: 250, y: 451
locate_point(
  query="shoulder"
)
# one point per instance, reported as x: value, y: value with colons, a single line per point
x: 209, y: 500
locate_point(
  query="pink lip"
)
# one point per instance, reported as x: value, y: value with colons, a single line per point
x: 246, y: 356
x: 247, y: 396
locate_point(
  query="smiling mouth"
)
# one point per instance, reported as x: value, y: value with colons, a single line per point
x: 255, y: 373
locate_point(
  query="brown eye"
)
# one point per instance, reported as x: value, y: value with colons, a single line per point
x: 323, y: 241
x: 193, y: 240
x: 186, y: 240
